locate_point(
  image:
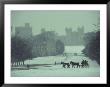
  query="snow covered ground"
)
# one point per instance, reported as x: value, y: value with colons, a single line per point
x: 45, y: 66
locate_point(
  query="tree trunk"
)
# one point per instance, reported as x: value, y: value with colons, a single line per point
x: 12, y: 64
x: 17, y: 63
x: 23, y: 62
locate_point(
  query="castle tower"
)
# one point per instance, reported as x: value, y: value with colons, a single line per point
x: 81, y: 30
x: 80, y: 34
x: 43, y: 30
x: 24, y: 32
x: 68, y: 35
x: 68, y: 31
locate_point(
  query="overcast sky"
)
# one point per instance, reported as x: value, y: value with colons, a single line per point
x: 56, y: 20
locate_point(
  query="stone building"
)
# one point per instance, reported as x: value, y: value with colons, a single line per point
x: 73, y: 37
x: 24, y: 32
x: 44, y: 44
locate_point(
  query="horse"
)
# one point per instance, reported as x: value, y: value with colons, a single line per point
x: 83, y: 63
x: 74, y: 64
x: 65, y: 64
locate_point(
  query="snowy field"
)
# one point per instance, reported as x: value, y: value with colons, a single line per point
x: 45, y: 66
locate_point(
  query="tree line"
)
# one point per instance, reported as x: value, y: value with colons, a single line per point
x: 41, y: 45
x: 37, y: 46
x: 92, y: 46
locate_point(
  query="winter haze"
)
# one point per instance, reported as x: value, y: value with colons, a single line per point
x: 64, y: 43
x: 56, y: 20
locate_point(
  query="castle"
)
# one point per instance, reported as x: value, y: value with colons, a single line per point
x: 24, y: 32
x: 73, y: 37
x: 45, y: 42
x: 70, y: 38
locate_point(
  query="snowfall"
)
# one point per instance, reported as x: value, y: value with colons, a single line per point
x: 46, y: 67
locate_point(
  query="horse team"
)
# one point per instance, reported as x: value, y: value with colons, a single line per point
x: 84, y: 64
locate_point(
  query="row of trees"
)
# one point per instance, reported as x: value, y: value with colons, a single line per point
x: 22, y: 49
x: 92, y: 46
x: 47, y: 45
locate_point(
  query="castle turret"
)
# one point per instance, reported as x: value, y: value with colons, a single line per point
x: 68, y: 31
x: 43, y: 30
x: 80, y: 34
x: 24, y: 32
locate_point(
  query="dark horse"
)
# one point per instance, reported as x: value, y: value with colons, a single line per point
x: 74, y: 64
x: 65, y: 64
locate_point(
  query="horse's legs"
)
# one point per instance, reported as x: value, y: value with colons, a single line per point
x: 77, y: 66
x: 63, y: 66
x: 82, y: 66
x: 68, y: 66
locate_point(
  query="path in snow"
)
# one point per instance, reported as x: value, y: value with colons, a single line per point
x: 57, y: 70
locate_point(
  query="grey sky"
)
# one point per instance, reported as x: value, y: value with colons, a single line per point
x: 56, y: 20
